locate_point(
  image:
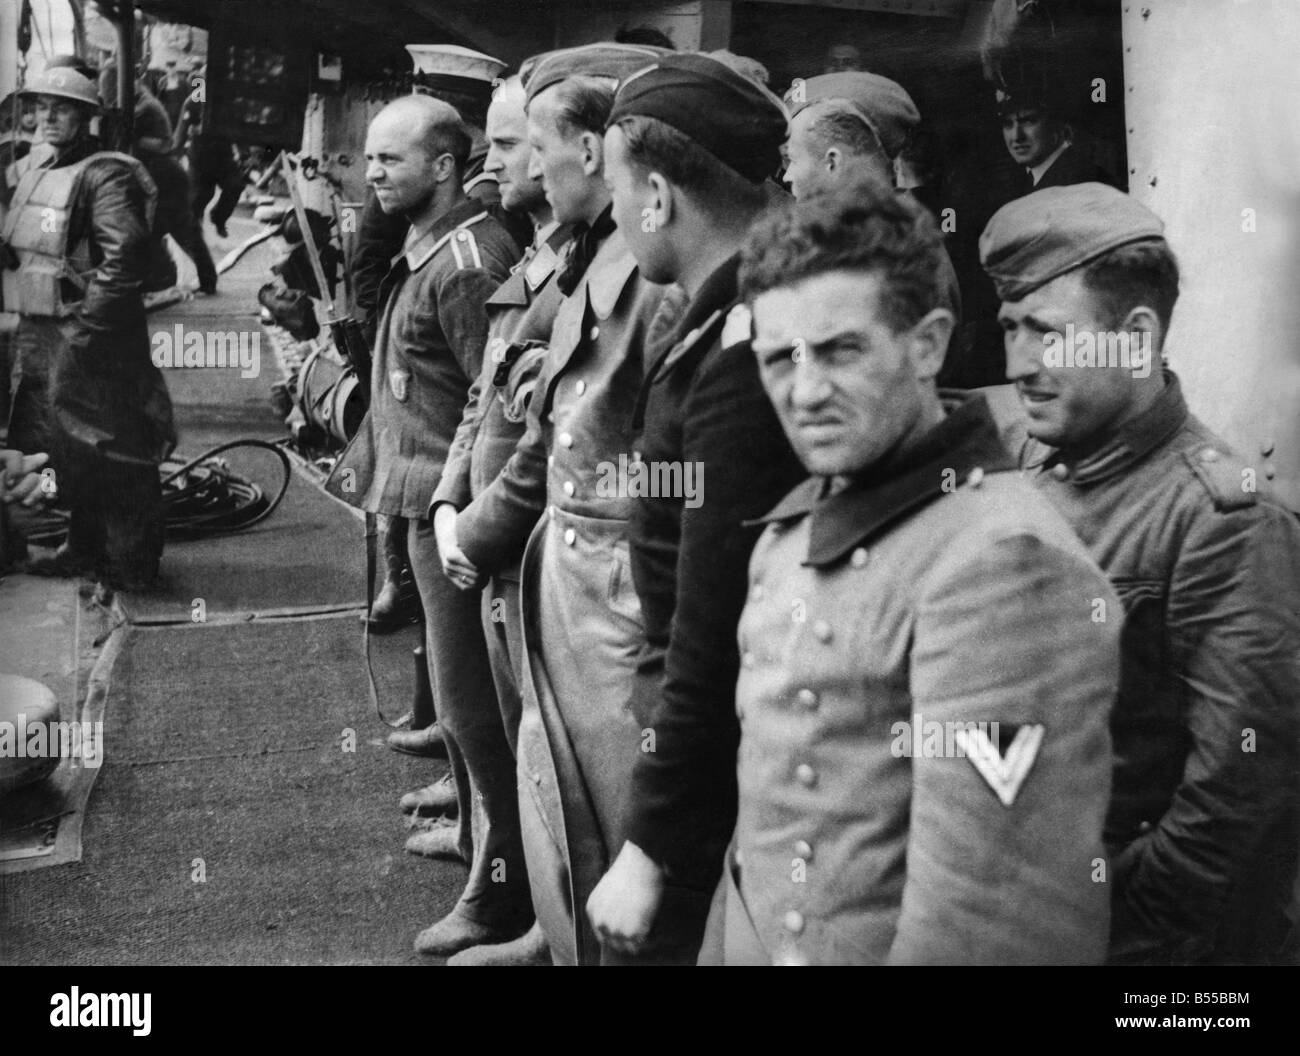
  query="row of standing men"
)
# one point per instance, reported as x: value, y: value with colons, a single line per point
x: 749, y: 643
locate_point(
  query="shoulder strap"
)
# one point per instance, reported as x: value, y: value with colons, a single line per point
x: 1229, y: 481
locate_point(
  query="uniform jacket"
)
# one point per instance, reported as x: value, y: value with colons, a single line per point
x: 580, y: 415
x: 581, y: 621
x: 429, y: 349
x: 106, y: 394
x: 380, y: 236
x: 941, y: 590
x: 1202, y: 826
x: 707, y: 419
x: 520, y: 316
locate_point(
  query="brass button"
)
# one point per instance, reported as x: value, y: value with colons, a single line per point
x: 1144, y: 827
x: 976, y: 477
x: 566, y: 439
x: 859, y: 558
x: 803, y: 849
x: 1060, y: 471
x: 807, y: 698
x: 822, y: 631
x: 1209, y: 455
x: 537, y: 778
x: 806, y: 775
x: 550, y: 461
x: 1266, y: 448
x: 550, y: 417
x: 595, y: 333
x: 570, y: 537
x: 569, y: 487
x: 581, y: 387
x: 793, y: 922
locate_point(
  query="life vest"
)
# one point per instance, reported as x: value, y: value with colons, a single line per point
x: 52, y: 276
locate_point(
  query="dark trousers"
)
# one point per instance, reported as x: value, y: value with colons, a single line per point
x: 174, y: 217
x: 211, y: 168
x: 482, y: 764
x: 116, y: 509
x: 117, y: 516
x: 30, y: 415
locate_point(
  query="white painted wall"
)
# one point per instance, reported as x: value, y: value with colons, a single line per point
x: 1213, y: 108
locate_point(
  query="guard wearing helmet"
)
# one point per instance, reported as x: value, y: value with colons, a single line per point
x: 75, y: 244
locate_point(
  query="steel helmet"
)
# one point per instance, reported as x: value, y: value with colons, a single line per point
x: 65, y: 83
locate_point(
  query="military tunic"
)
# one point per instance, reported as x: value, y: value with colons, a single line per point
x: 1202, y: 828
x: 520, y: 316
x: 940, y: 590
x: 709, y: 424
x: 429, y: 349
x: 582, y: 622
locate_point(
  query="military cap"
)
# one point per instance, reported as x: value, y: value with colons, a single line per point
x: 883, y: 105
x: 744, y: 65
x: 613, y: 61
x: 737, y: 120
x: 1034, y: 239
x: 453, y: 61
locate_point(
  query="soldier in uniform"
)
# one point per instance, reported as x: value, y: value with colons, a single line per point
x: 520, y: 315
x: 464, y: 79
x: 846, y: 127
x: 581, y: 619
x: 1202, y: 829
x: 76, y: 238
x: 429, y: 348
x: 923, y: 692
x: 689, y: 146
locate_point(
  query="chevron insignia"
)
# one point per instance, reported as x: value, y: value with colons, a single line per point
x: 1004, y: 773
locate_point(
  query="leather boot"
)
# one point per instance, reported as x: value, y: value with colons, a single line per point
x: 427, y: 742
x: 438, y: 841
x: 528, y: 949
x: 398, y: 602
x: 432, y: 800
x: 458, y: 931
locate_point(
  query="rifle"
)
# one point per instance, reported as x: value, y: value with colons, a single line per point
x: 349, y: 337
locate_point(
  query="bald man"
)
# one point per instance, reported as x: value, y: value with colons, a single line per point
x: 429, y: 344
